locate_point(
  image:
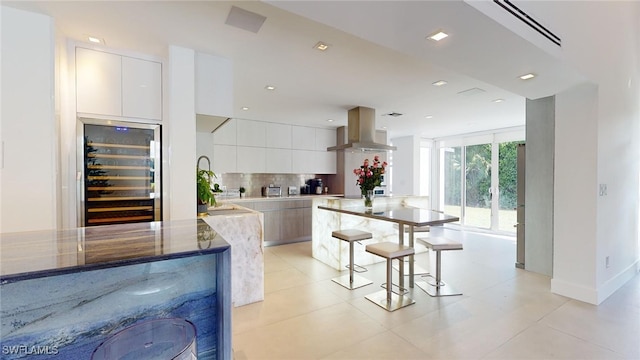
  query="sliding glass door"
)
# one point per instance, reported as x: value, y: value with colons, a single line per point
x: 478, y: 183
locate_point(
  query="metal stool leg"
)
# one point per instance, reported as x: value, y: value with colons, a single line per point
x: 352, y: 281
x: 439, y: 288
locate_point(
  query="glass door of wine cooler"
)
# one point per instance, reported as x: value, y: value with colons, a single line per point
x: 121, y: 179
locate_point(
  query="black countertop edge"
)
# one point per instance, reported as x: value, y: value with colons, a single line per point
x: 12, y: 278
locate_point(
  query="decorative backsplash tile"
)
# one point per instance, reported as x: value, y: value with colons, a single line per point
x: 253, y: 183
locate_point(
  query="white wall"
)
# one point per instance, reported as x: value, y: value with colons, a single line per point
x: 29, y: 157
x: 181, y: 125
x: 575, y: 220
x: 406, y: 166
x: 610, y: 60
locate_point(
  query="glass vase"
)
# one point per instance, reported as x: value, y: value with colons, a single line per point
x: 368, y: 199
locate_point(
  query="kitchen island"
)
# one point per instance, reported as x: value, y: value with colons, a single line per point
x: 335, y: 253
x: 64, y: 292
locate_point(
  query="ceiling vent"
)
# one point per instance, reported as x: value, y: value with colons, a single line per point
x: 525, y: 18
x: 471, y: 92
x: 394, y: 114
x: 245, y: 20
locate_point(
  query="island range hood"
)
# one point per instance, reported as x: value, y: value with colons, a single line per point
x: 361, y: 132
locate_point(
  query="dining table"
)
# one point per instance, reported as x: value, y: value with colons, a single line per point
x: 402, y: 215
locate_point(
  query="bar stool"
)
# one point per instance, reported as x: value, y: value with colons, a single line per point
x: 386, y: 298
x: 438, y: 288
x: 418, y: 270
x: 352, y: 281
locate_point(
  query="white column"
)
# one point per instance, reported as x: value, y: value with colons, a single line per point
x: 182, y: 134
x: 28, y: 174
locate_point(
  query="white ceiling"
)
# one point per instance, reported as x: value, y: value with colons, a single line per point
x: 379, y: 58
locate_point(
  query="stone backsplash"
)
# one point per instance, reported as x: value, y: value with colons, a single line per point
x: 253, y: 183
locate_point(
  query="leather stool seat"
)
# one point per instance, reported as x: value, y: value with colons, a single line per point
x: 438, y: 244
x: 386, y: 298
x: 352, y: 281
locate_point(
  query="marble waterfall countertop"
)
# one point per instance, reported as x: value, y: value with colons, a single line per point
x: 45, y: 253
x: 244, y: 229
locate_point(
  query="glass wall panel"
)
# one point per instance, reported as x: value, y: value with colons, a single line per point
x: 452, y: 180
x: 477, y: 210
x: 508, y: 175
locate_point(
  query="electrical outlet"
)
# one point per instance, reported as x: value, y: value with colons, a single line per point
x: 606, y: 262
x: 603, y: 190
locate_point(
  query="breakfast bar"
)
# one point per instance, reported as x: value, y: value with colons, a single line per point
x: 334, y: 214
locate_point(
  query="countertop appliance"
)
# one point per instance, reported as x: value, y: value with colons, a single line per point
x: 271, y: 190
x: 315, y: 186
x: 293, y: 190
x: 120, y: 162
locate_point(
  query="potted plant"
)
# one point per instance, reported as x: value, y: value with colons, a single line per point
x: 204, y: 179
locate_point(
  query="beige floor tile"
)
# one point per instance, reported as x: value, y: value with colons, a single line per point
x: 543, y: 342
x: 284, y: 279
x: 386, y: 345
x: 505, y: 312
x: 309, y: 336
x: 617, y: 329
x: 282, y: 305
x: 273, y: 262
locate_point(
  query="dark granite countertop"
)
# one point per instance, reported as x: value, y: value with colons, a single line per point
x: 37, y: 254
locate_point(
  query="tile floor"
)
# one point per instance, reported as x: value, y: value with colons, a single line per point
x: 505, y: 313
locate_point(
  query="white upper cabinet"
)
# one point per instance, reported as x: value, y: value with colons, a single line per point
x: 325, y: 138
x: 303, y: 162
x: 214, y: 85
x: 251, y: 160
x: 303, y: 138
x: 141, y: 88
x: 226, y: 134
x: 114, y: 85
x: 251, y: 133
x: 99, y: 82
x: 278, y: 161
x: 278, y: 136
x: 325, y: 162
x: 224, y: 159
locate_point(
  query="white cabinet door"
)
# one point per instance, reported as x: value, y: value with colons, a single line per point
x: 204, y: 146
x: 141, y: 88
x: 214, y: 85
x: 278, y: 136
x: 325, y: 162
x: 303, y: 161
x: 325, y: 138
x: 251, y: 160
x: 251, y: 133
x: 226, y: 134
x: 224, y: 159
x: 303, y: 138
x: 278, y: 161
x: 98, y: 82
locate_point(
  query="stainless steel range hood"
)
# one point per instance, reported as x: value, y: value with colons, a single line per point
x: 361, y: 132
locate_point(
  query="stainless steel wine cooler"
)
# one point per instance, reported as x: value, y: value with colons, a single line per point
x: 121, y: 172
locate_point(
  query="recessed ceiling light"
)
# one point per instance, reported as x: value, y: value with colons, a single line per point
x: 270, y: 87
x: 321, y: 46
x: 527, y: 76
x: 330, y: 120
x: 429, y: 117
x: 439, y: 83
x: 245, y: 108
x: 498, y: 100
x: 438, y: 35
x: 94, y: 40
